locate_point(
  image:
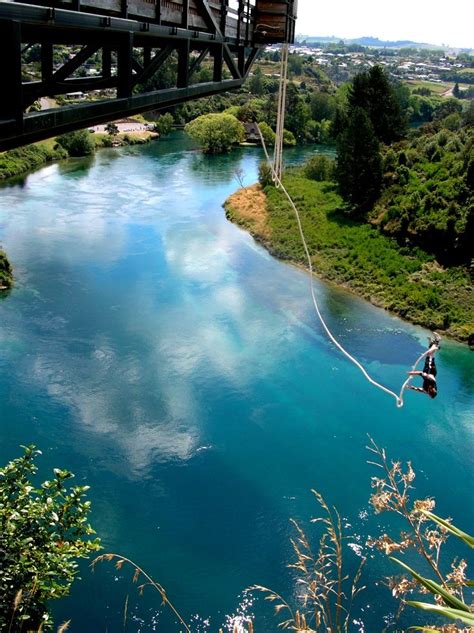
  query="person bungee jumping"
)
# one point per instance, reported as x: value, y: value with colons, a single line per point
x: 429, y: 370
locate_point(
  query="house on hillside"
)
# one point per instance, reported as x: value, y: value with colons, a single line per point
x: 251, y: 133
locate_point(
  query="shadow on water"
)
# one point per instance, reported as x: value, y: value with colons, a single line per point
x: 15, y: 181
x: 222, y: 166
x: 78, y: 167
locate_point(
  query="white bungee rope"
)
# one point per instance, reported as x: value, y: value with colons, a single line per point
x: 276, y: 168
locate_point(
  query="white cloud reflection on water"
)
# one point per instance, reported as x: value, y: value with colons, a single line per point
x: 212, y: 328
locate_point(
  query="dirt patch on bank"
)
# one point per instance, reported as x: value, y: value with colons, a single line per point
x: 248, y: 208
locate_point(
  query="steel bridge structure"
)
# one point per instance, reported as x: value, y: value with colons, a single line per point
x: 130, y: 41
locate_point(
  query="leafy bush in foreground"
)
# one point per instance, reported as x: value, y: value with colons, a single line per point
x: 43, y: 531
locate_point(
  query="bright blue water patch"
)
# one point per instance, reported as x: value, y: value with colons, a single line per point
x: 159, y: 353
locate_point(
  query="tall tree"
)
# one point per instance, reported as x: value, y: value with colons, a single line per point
x: 359, y: 164
x: 257, y: 83
x: 373, y: 92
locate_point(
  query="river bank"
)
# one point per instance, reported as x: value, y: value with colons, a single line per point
x: 22, y: 160
x: 406, y: 282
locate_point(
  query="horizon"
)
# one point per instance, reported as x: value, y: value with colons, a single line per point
x: 435, y: 26
x: 303, y: 36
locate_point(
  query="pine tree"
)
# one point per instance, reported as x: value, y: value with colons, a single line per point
x: 359, y: 164
x: 372, y: 91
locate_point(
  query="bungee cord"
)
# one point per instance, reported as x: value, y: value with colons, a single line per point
x: 277, y: 168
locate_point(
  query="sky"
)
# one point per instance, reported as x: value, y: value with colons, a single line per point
x: 430, y: 21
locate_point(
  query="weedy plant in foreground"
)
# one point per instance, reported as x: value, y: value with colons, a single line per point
x: 325, y: 593
x: 424, y: 539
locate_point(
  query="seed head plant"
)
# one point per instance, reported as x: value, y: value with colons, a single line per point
x: 424, y: 538
x: 325, y: 592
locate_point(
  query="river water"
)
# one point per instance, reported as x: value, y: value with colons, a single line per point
x: 159, y: 353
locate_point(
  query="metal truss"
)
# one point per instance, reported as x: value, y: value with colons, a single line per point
x: 131, y: 51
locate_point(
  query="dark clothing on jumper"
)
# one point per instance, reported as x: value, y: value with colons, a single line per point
x: 429, y: 371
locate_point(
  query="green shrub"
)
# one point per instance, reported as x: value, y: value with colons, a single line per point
x: 267, y: 133
x: 6, y: 272
x: 43, y: 531
x: 319, y: 168
x: 265, y: 174
x: 164, y: 124
x: 23, y: 159
x: 289, y: 139
x: 77, y: 143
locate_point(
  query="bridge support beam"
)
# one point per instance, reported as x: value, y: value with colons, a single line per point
x: 11, y: 102
x: 122, y: 83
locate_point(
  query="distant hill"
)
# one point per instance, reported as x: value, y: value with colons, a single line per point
x: 368, y: 41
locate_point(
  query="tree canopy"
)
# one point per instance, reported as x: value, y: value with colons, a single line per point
x: 359, y: 165
x: 373, y: 92
x: 216, y: 133
x: 77, y: 143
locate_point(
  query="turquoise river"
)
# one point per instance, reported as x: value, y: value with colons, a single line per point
x: 172, y: 364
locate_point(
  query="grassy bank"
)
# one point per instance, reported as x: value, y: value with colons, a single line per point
x: 22, y: 160
x: 408, y: 282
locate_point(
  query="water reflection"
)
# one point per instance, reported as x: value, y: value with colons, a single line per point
x: 154, y: 349
x: 77, y: 166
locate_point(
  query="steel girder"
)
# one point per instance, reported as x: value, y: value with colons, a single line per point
x: 139, y: 49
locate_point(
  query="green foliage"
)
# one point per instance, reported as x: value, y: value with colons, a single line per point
x: 319, y: 168
x: 359, y: 167
x: 6, y: 272
x: 43, y: 531
x: 111, y: 129
x: 265, y: 174
x: 77, y: 143
x: 323, y: 106
x: 428, y: 199
x: 216, y: 133
x: 267, y: 133
x: 23, y: 159
x: 257, y: 82
x: 289, y: 139
x: 403, y: 279
x: 164, y: 124
x: 372, y: 92
x: 295, y: 64
x: 298, y: 112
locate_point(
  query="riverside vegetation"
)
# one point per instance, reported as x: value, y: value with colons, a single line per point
x: 391, y: 219
x: 44, y: 530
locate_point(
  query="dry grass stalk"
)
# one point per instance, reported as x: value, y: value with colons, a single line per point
x: 64, y: 626
x: 138, y: 571
x: 249, y: 208
x: 325, y: 603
